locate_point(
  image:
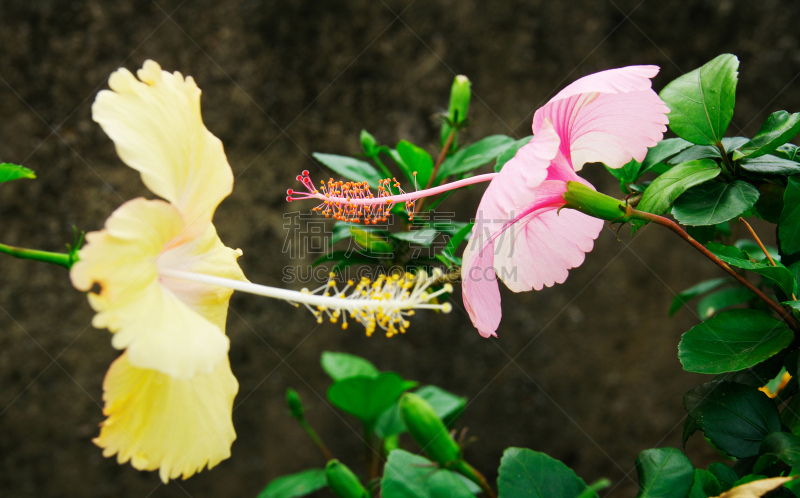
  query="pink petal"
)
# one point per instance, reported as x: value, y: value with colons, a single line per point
x: 480, y: 290
x: 608, y: 117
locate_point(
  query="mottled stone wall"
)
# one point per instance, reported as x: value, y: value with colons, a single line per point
x: 586, y: 371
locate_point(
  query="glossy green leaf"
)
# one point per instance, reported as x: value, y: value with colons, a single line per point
x: 770, y: 165
x: 376, y: 241
x: 526, y: 473
x: 474, y: 156
x: 510, y: 152
x: 714, y: 203
x: 696, y: 290
x: 754, y: 251
x: 783, y: 445
x: 660, y: 195
x: 343, y: 365
x: 449, y: 251
x: 411, y: 476
x: 447, y: 406
x: 295, y: 485
x: 628, y: 173
x: 664, y: 473
x: 416, y: 159
x: 663, y: 150
x: 367, y: 397
x: 789, y: 226
x: 725, y: 475
x: 350, y: 168
x: 701, y: 102
x: 734, y: 417
x: 705, y: 485
x: 740, y: 259
x: 718, y: 301
x: 422, y: 237
x: 696, y: 152
x: 779, y: 128
x: 788, y: 151
x: 790, y: 415
x: 9, y: 172
x: 732, y: 341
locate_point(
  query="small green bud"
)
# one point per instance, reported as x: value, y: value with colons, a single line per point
x: 295, y: 404
x: 589, y: 201
x: 460, y: 95
x: 392, y: 442
x: 428, y: 430
x: 342, y: 482
x: 369, y: 144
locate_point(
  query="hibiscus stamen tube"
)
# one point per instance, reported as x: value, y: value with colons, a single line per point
x: 354, y: 202
x: 384, y: 303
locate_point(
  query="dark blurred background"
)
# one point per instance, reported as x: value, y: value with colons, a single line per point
x: 586, y: 371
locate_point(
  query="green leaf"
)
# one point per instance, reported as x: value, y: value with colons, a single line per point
x: 9, y: 172
x: 628, y: 173
x: 411, y: 476
x: 343, y: 365
x: 770, y: 165
x: 705, y: 485
x: 734, y: 417
x: 783, y: 445
x: 725, y: 475
x: 350, y: 168
x: 779, y: 128
x: 449, y: 252
x: 294, y: 485
x: 367, y: 397
x: 663, y: 150
x: 790, y: 416
x: 415, y: 159
x: 701, y: 102
x: 714, y: 203
x: 696, y: 152
x: 660, y: 195
x: 422, y: 237
x: 664, y: 473
x: 525, y: 473
x: 738, y: 258
x: 753, y: 250
x: 788, y: 151
x: 685, y: 296
x: 447, y: 406
x: 789, y: 226
x: 375, y: 240
x: 732, y: 341
x: 718, y: 301
x: 510, y: 152
x: 474, y: 156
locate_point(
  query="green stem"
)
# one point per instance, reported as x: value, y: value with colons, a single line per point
x: 55, y: 258
x: 317, y: 440
x: 382, y: 166
x: 726, y: 160
x: 666, y: 222
x: 473, y: 475
x: 369, y: 454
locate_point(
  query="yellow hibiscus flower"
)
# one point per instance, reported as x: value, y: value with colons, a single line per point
x: 169, y: 397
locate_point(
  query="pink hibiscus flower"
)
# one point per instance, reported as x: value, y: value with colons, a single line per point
x: 520, y: 236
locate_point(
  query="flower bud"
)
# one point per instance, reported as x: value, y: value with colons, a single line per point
x: 342, y: 482
x: 369, y: 144
x: 589, y: 201
x: 428, y: 430
x: 460, y: 95
x: 294, y: 403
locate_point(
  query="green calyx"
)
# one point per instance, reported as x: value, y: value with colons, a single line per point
x: 589, y: 201
x: 428, y: 430
x: 369, y: 144
x: 342, y: 482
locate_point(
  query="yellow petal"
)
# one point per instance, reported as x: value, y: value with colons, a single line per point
x: 206, y: 255
x: 756, y: 489
x: 160, y: 331
x: 158, y: 422
x: 157, y: 128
